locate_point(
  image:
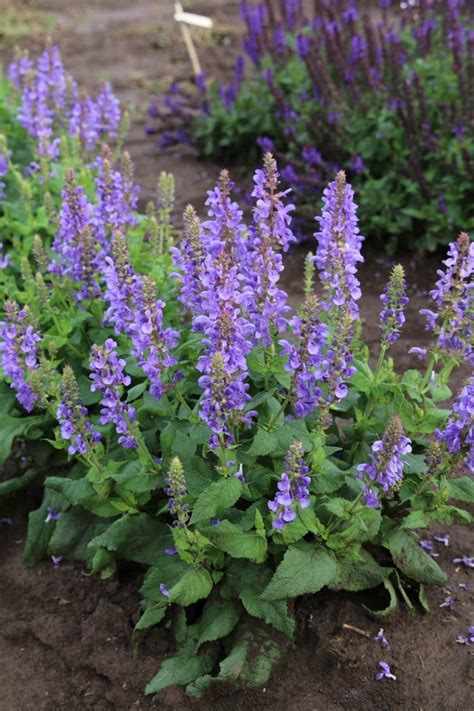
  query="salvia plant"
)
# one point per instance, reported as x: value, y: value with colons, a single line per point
x: 179, y: 414
x: 382, y: 89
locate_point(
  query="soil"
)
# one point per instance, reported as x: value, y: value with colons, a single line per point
x: 66, y: 638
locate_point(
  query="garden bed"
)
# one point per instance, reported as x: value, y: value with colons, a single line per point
x: 66, y: 643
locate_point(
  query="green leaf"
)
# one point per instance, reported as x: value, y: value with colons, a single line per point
x: 392, y: 605
x: 152, y: 616
x: 450, y: 515
x: 462, y: 489
x: 264, y: 443
x: 304, y: 569
x: 18, y: 483
x: 183, y: 669
x: 195, y: 584
x: 273, y: 612
x: 139, y: 538
x: 358, y: 574
x: 413, y: 561
x: 423, y: 598
x: 12, y: 427
x: 81, y: 493
x: 415, y: 463
x: 416, y: 519
x: 169, y: 571
x: 216, y: 498
x: 72, y: 533
x: 362, y: 527
x: 218, y: 620
x: 238, y: 543
x: 39, y: 532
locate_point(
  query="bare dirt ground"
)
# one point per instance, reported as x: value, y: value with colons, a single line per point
x: 65, y: 638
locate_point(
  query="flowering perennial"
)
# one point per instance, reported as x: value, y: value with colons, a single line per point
x: 109, y: 379
x: 394, y: 299
x: 386, y: 465
x: 18, y: 347
x: 73, y: 417
x: 339, y: 247
x: 292, y: 488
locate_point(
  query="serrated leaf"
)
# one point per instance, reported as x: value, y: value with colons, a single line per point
x: 39, y: 532
x: 304, y: 569
x: 358, y: 573
x: 238, y: 543
x: 362, y: 527
x: 273, y: 612
x: 12, y: 486
x: 462, y: 489
x: 183, y: 669
x: 12, y: 427
x: 218, y: 620
x: 416, y: 519
x: 139, y: 538
x: 151, y: 616
x: 413, y: 561
x: 73, y: 532
x: 264, y: 443
x: 216, y: 498
x: 195, y: 584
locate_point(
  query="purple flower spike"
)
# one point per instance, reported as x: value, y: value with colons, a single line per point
x: 458, y: 435
x: 164, y: 591
x: 108, y: 378
x: 18, y: 349
x: 451, y: 321
x: 394, y: 299
x: 385, y: 672
x: 339, y: 247
x: 380, y: 637
x: 171, y: 551
x: 307, y: 359
x: 292, y: 488
x: 73, y: 417
x: 269, y: 235
x: 386, y: 465
x: 52, y: 515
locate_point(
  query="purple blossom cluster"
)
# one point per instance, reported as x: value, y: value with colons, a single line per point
x: 18, y: 347
x: 117, y: 195
x: 269, y: 235
x: 307, y: 357
x: 458, y: 435
x: 394, y: 299
x: 108, y: 377
x: 50, y: 99
x: 73, y: 417
x: 339, y: 247
x: 4, y: 168
x: 386, y: 465
x: 227, y: 332
x: 453, y: 320
x: 79, y: 252
x: 134, y: 310
x: 292, y: 488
